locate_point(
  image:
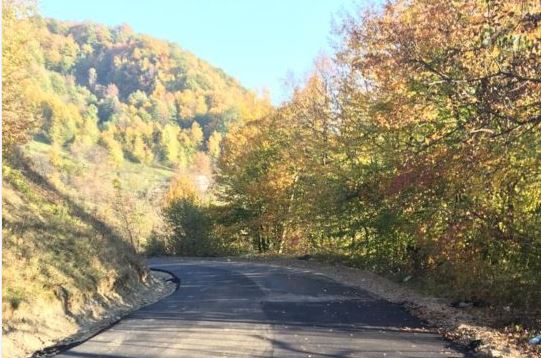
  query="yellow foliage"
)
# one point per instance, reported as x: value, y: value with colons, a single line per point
x: 18, y: 44
x: 182, y: 187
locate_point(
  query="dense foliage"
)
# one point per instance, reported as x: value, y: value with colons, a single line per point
x: 18, y: 59
x: 416, y: 151
x: 143, y: 99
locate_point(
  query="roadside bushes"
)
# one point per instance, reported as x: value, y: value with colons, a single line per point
x: 188, y: 229
x: 191, y: 228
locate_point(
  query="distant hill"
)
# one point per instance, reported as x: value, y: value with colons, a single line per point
x: 144, y: 99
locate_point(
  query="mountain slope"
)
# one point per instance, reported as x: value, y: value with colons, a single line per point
x: 98, y: 120
x: 144, y: 99
x: 61, y: 264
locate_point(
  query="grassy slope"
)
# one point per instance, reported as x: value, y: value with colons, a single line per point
x: 88, y: 178
x: 136, y: 177
x: 60, y: 263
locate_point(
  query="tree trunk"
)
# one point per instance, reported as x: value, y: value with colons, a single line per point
x: 288, y: 214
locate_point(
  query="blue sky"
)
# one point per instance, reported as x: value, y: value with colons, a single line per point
x: 258, y: 42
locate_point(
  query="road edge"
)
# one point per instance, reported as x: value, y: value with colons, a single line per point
x: 468, y: 337
x: 71, y: 342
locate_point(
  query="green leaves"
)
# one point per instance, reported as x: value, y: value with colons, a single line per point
x: 191, y: 229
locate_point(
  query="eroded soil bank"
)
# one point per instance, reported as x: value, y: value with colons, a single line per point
x: 33, y: 338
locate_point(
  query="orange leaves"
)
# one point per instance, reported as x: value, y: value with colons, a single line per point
x: 18, y: 62
x: 469, y: 52
x: 182, y: 187
x: 417, y: 149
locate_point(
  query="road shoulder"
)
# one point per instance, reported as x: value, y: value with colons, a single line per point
x: 455, y: 324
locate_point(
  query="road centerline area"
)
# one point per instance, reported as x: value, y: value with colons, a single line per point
x: 227, y: 309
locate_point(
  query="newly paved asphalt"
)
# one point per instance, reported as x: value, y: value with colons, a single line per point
x: 225, y: 309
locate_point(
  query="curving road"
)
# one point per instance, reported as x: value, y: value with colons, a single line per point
x: 226, y: 309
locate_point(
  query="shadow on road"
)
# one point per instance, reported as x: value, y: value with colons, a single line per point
x: 248, y: 310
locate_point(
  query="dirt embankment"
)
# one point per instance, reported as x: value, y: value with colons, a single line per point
x: 30, y: 336
x: 64, y: 269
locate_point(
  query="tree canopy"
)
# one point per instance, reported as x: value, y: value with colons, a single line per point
x: 415, y: 150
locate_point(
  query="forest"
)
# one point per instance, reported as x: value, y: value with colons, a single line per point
x: 413, y: 151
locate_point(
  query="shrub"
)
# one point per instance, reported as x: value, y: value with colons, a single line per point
x: 191, y: 228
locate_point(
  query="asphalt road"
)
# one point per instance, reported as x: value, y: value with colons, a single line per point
x: 225, y: 309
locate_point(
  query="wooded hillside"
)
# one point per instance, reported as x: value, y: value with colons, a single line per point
x: 96, y: 123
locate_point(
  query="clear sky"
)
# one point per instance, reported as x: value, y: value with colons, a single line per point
x: 258, y: 42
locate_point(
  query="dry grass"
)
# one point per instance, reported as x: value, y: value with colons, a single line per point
x: 118, y: 194
x: 61, y: 265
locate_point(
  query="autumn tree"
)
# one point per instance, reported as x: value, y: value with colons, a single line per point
x: 19, y: 50
x: 413, y: 151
